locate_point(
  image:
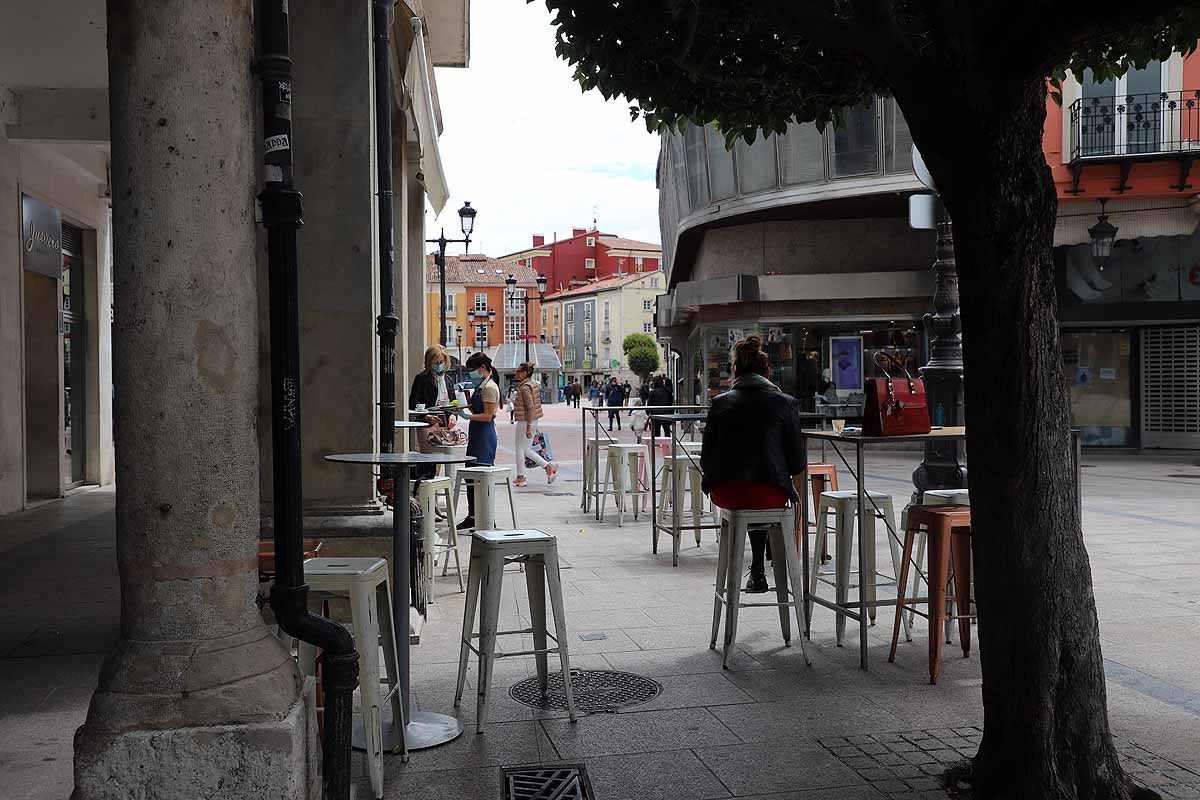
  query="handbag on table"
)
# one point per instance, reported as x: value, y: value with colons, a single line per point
x: 895, y: 406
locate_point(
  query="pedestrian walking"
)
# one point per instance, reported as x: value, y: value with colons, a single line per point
x: 614, y: 396
x: 660, y: 395
x: 527, y: 405
x: 752, y: 449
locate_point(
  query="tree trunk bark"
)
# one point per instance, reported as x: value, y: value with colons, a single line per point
x: 1046, y: 732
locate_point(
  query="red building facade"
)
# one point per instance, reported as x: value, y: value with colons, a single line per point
x: 586, y: 255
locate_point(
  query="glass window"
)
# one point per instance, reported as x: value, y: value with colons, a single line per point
x: 589, y: 263
x: 647, y: 327
x: 481, y: 302
x: 638, y: 261
x: 1098, y: 374
x: 854, y: 147
x: 756, y: 164
x: 587, y: 311
x: 697, y: 175
x: 897, y: 141
x: 801, y: 155
x: 570, y: 314
x: 654, y: 283
x: 647, y: 305
x: 606, y: 311
x: 449, y: 302
x: 720, y: 165
x: 591, y: 242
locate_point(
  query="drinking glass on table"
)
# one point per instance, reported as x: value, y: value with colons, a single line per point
x: 838, y: 425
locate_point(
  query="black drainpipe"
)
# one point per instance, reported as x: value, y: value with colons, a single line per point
x: 387, y: 323
x: 282, y: 215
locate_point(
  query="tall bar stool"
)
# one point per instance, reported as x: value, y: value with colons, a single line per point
x: 365, y: 581
x: 821, y: 478
x: 484, y: 481
x: 843, y: 505
x: 625, y: 462
x: 931, y: 497
x: 490, y: 551
x: 789, y: 586
x: 689, y: 474
x: 949, y: 531
x: 591, y: 484
x: 427, y: 497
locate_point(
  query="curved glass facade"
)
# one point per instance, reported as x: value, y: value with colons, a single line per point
x: 697, y: 173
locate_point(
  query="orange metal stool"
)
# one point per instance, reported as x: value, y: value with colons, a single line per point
x: 949, y: 529
x: 819, y: 475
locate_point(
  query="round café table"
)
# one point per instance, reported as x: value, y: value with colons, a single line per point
x: 424, y: 729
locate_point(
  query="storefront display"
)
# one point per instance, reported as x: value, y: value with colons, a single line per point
x: 1097, y: 370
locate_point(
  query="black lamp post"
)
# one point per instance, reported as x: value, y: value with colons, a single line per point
x: 1103, y: 234
x: 511, y: 284
x: 466, y: 216
x: 458, y: 338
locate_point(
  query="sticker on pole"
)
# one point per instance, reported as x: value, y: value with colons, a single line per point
x: 277, y: 143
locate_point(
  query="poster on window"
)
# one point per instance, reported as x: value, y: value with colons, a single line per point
x: 845, y: 359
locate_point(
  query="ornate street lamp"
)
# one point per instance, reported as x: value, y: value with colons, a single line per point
x: 511, y: 291
x: 466, y: 217
x: 1103, y: 234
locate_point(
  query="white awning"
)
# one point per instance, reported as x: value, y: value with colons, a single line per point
x: 417, y: 76
x: 1135, y: 219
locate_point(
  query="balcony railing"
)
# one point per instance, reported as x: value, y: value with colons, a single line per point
x: 1136, y: 126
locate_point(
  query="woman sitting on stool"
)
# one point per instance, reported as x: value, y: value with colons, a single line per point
x: 752, y: 447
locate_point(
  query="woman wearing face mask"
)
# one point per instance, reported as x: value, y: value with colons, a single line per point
x: 431, y: 389
x: 481, y: 435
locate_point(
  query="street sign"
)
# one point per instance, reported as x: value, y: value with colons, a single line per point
x: 923, y: 212
x: 922, y: 171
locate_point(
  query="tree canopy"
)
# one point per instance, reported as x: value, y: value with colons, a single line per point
x: 643, y: 360
x: 751, y: 65
x: 636, y: 340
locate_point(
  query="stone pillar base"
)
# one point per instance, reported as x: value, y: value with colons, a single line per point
x: 276, y: 760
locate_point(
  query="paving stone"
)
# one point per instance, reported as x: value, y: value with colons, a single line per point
x: 673, y: 775
x: 642, y: 732
x: 776, y: 766
x: 462, y: 784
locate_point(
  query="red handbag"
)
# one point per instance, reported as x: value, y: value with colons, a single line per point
x: 895, y: 406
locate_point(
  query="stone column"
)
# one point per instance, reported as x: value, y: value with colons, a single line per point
x: 413, y: 229
x: 197, y: 696
x: 334, y: 125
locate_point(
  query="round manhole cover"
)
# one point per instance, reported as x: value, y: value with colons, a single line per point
x: 594, y: 690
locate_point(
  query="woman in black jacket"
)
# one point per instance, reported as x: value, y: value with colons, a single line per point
x: 752, y: 447
x: 431, y: 389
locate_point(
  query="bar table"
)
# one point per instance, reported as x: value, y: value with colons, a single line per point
x: 675, y: 529
x: 858, y: 611
x: 424, y: 729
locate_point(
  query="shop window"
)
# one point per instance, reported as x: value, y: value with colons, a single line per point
x: 897, y: 140
x: 697, y: 173
x: 720, y: 165
x: 854, y: 147
x: 1096, y: 371
x: 801, y: 155
x: 756, y: 166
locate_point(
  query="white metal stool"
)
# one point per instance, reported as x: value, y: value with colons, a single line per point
x: 688, y: 470
x: 365, y: 580
x: 844, y: 506
x: 484, y: 481
x: 427, y: 496
x: 490, y: 551
x: 625, y: 461
x: 735, y: 525
x: 591, y: 485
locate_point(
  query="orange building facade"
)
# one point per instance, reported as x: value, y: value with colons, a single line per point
x: 1130, y: 316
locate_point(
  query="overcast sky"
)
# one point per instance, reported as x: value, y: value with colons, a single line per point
x: 530, y: 151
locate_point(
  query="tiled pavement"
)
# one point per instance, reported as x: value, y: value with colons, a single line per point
x: 769, y: 727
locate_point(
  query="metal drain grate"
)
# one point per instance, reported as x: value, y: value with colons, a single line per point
x: 596, y: 691
x: 562, y: 782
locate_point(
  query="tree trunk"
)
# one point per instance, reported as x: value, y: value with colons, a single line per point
x: 1046, y: 732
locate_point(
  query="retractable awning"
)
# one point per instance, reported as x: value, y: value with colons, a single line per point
x: 417, y: 77
x: 1134, y: 218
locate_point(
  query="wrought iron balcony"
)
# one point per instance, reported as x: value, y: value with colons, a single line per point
x: 1136, y: 126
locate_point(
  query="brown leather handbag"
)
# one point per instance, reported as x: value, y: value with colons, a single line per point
x: 895, y: 406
